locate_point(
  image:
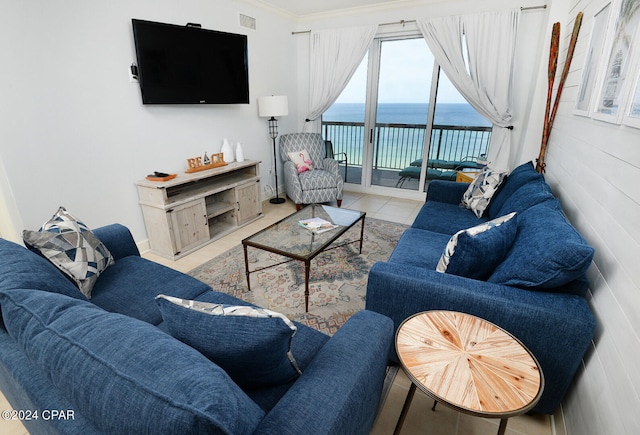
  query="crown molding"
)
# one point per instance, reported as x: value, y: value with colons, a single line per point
x: 359, y: 10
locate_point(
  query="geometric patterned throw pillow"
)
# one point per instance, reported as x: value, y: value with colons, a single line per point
x: 71, y: 247
x: 251, y: 344
x: 477, y: 251
x: 481, y: 190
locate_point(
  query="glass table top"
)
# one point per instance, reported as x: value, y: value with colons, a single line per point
x: 289, y: 238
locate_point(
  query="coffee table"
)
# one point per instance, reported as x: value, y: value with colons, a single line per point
x: 468, y: 364
x: 289, y: 239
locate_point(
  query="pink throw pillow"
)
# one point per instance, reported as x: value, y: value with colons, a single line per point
x: 301, y: 160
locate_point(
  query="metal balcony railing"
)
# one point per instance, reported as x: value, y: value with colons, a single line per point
x: 397, y: 145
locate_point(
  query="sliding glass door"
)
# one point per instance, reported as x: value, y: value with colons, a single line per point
x: 344, y: 125
x: 380, y: 119
x: 398, y: 125
x: 400, y: 121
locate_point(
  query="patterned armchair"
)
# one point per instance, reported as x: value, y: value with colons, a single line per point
x: 322, y: 183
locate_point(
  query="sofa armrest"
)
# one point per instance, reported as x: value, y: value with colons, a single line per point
x: 446, y: 191
x: 556, y: 327
x: 340, y: 390
x: 118, y: 240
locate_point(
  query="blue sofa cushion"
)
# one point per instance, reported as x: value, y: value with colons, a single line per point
x: 547, y: 252
x: 475, y: 252
x: 251, y: 344
x: 527, y: 196
x: 130, y: 286
x: 481, y: 190
x: 125, y: 375
x: 305, y: 347
x: 21, y: 268
x: 517, y: 178
x: 71, y: 247
x: 445, y: 218
x: 420, y: 248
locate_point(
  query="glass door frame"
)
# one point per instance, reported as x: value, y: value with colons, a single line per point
x: 371, y: 103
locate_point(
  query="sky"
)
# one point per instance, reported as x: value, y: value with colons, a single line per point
x: 405, y: 76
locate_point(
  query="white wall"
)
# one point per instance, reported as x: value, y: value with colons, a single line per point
x: 9, y: 216
x: 74, y: 131
x: 593, y: 166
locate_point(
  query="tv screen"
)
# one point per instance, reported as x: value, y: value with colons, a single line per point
x: 190, y: 65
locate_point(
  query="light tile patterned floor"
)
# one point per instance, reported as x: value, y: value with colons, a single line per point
x: 420, y: 418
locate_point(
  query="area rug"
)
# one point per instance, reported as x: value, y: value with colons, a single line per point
x: 337, y: 283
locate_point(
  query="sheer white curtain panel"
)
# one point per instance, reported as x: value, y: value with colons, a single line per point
x: 476, y: 51
x: 335, y: 54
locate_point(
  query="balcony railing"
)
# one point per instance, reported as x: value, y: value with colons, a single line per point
x: 397, y: 145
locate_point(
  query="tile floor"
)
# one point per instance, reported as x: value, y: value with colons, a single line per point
x: 420, y: 418
x: 445, y: 421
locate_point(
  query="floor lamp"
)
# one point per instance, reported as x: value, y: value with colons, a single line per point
x: 272, y: 106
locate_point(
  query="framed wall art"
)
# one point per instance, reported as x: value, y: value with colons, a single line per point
x: 614, y: 87
x: 592, y: 61
x: 632, y: 114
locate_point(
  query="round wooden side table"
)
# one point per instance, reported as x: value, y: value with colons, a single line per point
x: 468, y: 364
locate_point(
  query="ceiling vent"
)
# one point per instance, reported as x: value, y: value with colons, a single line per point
x: 247, y: 21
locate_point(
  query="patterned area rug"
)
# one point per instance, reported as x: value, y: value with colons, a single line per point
x: 337, y: 284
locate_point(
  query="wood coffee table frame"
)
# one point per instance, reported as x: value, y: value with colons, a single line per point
x: 287, y: 238
x: 468, y: 364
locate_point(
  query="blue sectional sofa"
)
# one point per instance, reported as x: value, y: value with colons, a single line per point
x: 108, y: 365
x: 536, y: 290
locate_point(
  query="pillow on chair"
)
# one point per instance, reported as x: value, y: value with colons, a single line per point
x: 302, y: 160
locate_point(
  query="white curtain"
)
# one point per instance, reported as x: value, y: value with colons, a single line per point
x: 334, y: 57
x: 476, y: 52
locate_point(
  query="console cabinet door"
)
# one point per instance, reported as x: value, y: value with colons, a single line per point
x: 248, y: 201
x: 189, y: 225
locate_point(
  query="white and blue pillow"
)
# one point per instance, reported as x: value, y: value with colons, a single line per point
x: 251, y: 344
x: 477, y: 251
x: 71, y: 246
x: 480, y: 192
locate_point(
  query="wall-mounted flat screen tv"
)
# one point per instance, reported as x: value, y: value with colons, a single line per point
x: 190, y: 65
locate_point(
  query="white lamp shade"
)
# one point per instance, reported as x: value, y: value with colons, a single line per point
x: 273, y: 105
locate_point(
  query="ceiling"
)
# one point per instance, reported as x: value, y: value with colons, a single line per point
x: 308, y: 7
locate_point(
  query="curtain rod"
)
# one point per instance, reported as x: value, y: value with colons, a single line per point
x: 403, y: 22
x: 533, y: 7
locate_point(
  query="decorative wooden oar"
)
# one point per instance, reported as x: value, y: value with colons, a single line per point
x: 553, y: 63
x: 551, y: 75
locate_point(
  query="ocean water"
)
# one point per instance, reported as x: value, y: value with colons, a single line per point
x: 396, y: 148
x: 408, y: 113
